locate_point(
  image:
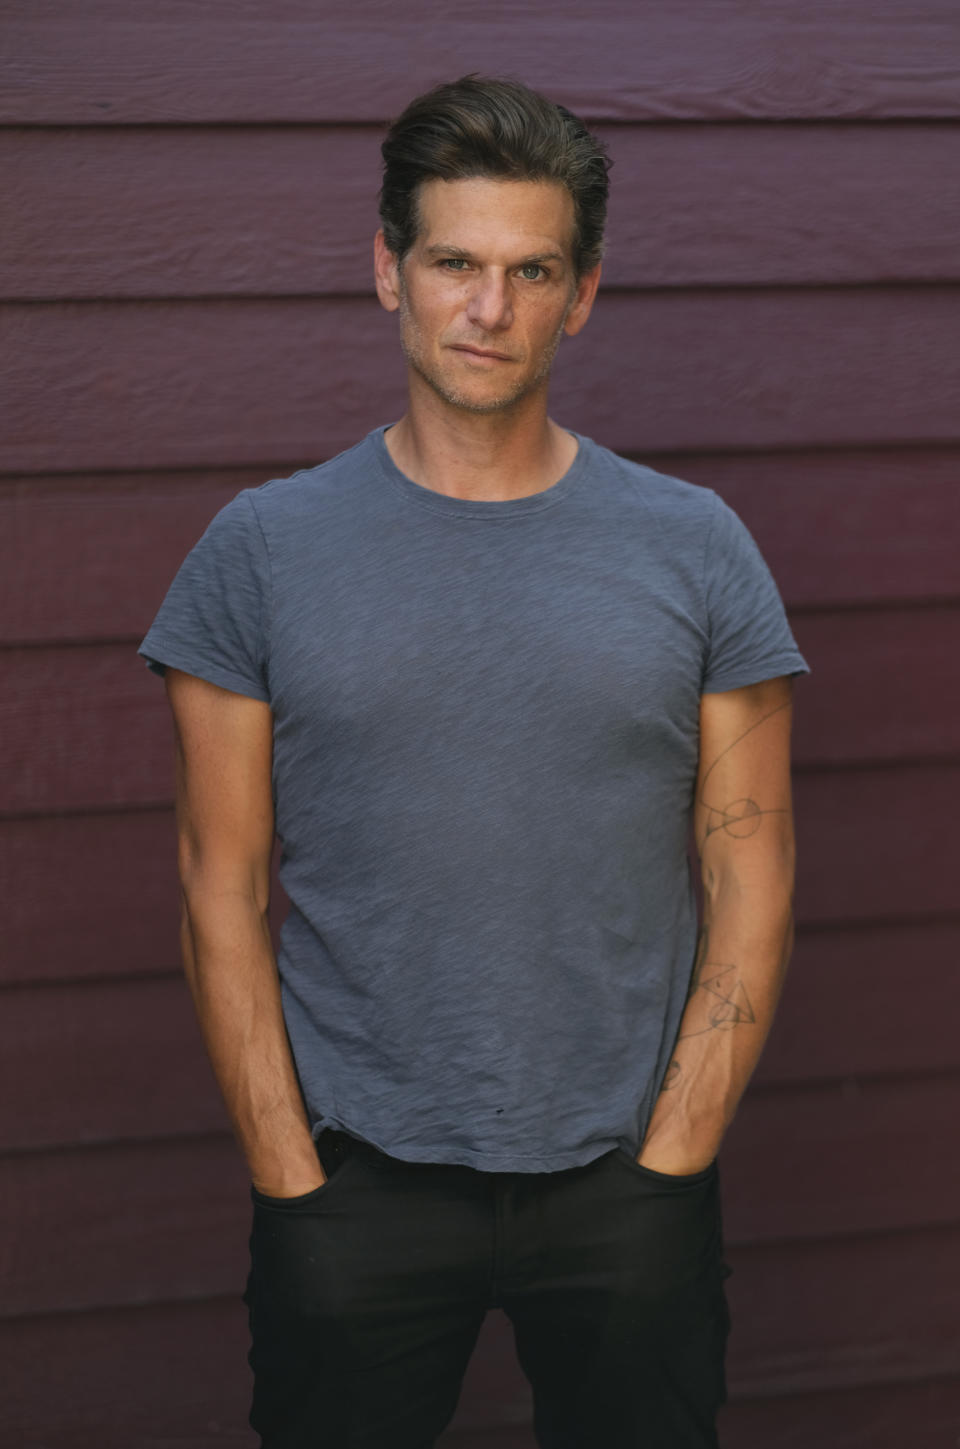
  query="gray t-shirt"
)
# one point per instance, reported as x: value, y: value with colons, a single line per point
x: 485, y: 749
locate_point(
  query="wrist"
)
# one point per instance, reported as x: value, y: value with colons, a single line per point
x: 680, y: 1151
x: 677, y: 1162
x: 288, y: 1174
x: 289, y: 1184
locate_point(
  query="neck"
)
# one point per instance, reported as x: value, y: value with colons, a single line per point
x: 481, y: 456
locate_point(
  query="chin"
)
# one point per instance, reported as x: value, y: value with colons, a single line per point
x: 478, y: 404
x: 478, y: 400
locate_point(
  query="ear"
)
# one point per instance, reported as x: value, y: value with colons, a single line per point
x: 386, y: 273
x: 582, y: 301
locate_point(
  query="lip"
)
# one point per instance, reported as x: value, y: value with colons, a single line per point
x: 480, y: 352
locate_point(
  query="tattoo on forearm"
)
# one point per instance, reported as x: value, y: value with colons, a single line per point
x: 725, y: 1003
x: 737, y: 818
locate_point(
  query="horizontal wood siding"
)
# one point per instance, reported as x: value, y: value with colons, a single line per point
x: 186, y: 308
x: 217, y: 60
x: 202, y: 212
x: 186, y: 384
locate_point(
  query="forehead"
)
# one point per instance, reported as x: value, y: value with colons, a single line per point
x: 491, y: 212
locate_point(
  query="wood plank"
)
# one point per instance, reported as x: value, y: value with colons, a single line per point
x: 848, y: 1311
x: 876, y: 845
x: 117, y: 898
x: 115, y: 868
x: 148, y: 1222
x: 844, y: 528
x: 868, y: 1001
x: 863, y: 528
x: 845, y: 1157
x: 201, y: 212
x: 181, y: 384
x: 107, y: 550
x: 885, y: 687
x: 925, y: 1415
x: 89, y: 1061
x: 88, y: 727
x: 495, y: 1396
x: 92, y: 1062
x: 202, y: 62
x: 853, y: 867
x: 171, y: 1376
x: 169, y: 1218
x: 122, y: 385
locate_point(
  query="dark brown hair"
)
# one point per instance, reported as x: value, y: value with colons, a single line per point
x: 478, y: 126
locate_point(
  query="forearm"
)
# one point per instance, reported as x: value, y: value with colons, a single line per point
x: 742, y: 955
x: 231, y: 969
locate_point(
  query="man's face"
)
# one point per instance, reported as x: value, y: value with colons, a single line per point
x: 487, y: 289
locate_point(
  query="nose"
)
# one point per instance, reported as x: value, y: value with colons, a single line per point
x: 490, y: 306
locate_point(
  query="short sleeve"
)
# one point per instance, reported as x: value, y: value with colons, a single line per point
x: 749, y: 637
x: 213, y: 622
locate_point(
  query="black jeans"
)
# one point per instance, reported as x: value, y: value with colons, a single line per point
x: 366, y: 1297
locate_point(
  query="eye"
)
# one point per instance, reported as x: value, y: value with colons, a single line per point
x: 535, y: 268
x: 455, y: 264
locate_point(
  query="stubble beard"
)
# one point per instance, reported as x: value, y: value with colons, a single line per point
x: 413, y: 351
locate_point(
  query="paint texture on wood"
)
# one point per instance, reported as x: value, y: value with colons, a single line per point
x: 858, y: 527
x: 103, y: 1060
x: 186, y: 309
x: 167, y: 1376
x: 207, y: 383
x: 246, y: 211
x: 869, y: 1001
x: 877, y: 845
x: 113, y: 880
x: 203, y: 61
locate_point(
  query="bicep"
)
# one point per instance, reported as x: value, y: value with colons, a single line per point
x: 742, y: 812
x: 224, y: 751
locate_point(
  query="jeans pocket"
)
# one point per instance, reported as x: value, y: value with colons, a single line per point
x: 678, y: 1180
x: 304, y: 1201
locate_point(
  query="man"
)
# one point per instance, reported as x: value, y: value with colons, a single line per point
x: 480, y: 674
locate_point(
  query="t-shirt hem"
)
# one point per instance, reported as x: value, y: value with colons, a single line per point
x: 160, y: 657
x: 484, y: 1161
x: 755, y: 673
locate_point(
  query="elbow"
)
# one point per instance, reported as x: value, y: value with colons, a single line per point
x: 209, y: 885
x: 757, y: 881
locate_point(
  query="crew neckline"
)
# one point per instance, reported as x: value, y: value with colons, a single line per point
x: 489, y: 508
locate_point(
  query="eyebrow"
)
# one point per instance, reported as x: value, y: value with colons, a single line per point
x: 440, y: 250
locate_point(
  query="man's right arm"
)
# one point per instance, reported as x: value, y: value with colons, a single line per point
x: 225, y: 825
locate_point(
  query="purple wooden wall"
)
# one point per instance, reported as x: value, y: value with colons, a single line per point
x: 185, y: 294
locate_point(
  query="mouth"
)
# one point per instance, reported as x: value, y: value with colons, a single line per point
x: 481, y: 353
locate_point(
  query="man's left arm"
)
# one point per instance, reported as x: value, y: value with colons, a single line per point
x: 743, y: 824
